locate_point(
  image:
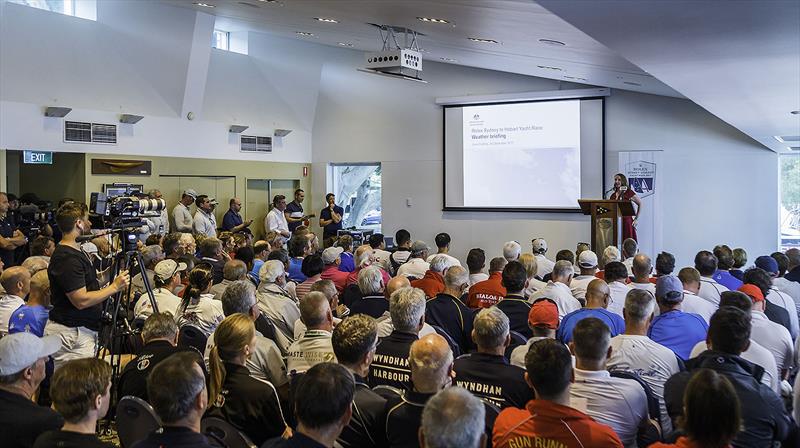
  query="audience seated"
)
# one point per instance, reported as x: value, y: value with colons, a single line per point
x: 557, y: 289
x: 665, y: 265
x: 416, y: 266
x: 597, y: 297
x: 16, y: 282
x: 232, y: 271
x: 487, y: 373
x: 488, y: 292
x: 453, y: 418
x: 312, y: 268
x: 347, y: 262
x: 22, y: 369
x: 610, y: 254
x: 476, y: 261
x: 775, y: 313
x: 587, y: 263
x: 545, y: 265
x: 276, y: 304
x: 327, y: 288
x: 725, y: 262
x: 770, y: 335
x: 331, y: 259
x: 616, y: 275
x: 402, y: 239
x: 781, y: 282
x: 565, y: 255
x: 314, y: 346
x: 531, y: 268
x: 692, y: 303
x: 198, y: 307
x: 372, y: 301
x: 543, y: 322
x: 630, y: 247
x: 642, y: 267
x: 706, y: 264
x: 151, y: 255
x: 775, y: 296
x: 442, y: 241
x: 739, y: 261
x: 379, y: 252
x: 166, y: 280
x: 793, y: 269
x: 212, y: 252
x: 32, y: 317
x: 447, y: 311
x: 432, y: 283
x: 514, y: 305
x: 673, y: 328
x: 511, y: 251
x: 35, y: 264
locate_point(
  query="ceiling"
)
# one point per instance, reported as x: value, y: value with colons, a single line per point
x: 738, y: 59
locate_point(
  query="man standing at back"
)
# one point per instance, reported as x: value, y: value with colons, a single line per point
x: 330, y: 219
x: 181, y: 214
x: 294, y: 211
x: 232, y: 221
x: 204, y: 220
x: 276, y: 220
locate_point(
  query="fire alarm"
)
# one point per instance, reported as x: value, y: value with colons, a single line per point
x: 305, y: 171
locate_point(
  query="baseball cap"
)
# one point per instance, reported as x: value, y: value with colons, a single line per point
x: 587, y: 259
x: 753, y: 291
x: 669, y: 287
x: 419, y: 246
x: 540, y: 246
x: 330, y: 254
x: 19, y: 351
x: 768, y: 264
x: 543, y: 313
x: 190, y: 192
x: 165, y: 269
x: 213, y: 201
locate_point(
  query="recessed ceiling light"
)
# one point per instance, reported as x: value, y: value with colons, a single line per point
x: 483, y: 41
x: 205, y: 5
x: 630, y: 83
x: 326, y: 20
x: 345, y: 44
x: 304, y: 33
x: 576, y: 78
x: 448, y: 60
x: 795, y: 112
x: 432, y: 20
x: 547, y: 67
x: 556, y: 43
x: 269, y: 1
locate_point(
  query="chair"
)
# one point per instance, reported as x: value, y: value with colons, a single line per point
x: 450, y: 341
x: 517, y: 339
x: 225, y: 432
x: 135, y: 420
x: 387, y: 391
x: 191, y: 336
x: 492, y: 411
x: 652, y: 432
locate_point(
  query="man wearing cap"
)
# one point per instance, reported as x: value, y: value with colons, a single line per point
x: 276, y: 219
x: 587, y: 263
x: 487, y: 373
x: 544, y: 265
x: 777, y: 297
x: 706, y: 264
x: 181, y: 214
x: 772, y: 336
x: 447, y: 311
x: 232, y: 221
x: 543, y: 322
x: 692, y: 303
x: 16, y: 281
x: 331, y: 258
x: 166, y: 279
x: 514, y: 304
x: 489, y: 292
x: 151, y: 255
x: 416, y: 266
x: 22, y: 368
x: 205, y: 222
x: 597, y: 296
x: 557, y: 289
x: 673, y: 328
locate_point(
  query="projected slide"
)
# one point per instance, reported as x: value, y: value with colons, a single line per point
x: 522, y: 155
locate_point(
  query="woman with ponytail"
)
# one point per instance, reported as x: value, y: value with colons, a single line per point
x: 251, y: 405
x: 198, y: 307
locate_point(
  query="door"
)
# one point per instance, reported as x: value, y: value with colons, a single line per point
x: 258, y: 199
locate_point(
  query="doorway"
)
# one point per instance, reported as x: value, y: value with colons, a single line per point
x: 258, y: 199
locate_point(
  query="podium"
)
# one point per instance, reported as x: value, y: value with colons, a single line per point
x: 605, y: 220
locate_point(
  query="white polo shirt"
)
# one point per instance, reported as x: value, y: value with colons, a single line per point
x: 789, y: 287
x: 8, y: 304
x: 544, y: 265
x: 165, y: 301
x: 205, y: 314
x: 775, y: 338
x: 205, y: 223
x: 579, y: 285
x: 651, y: 361
x: 414, y: 267
x: 276, y: 221
x: 710, y: 290
x: 518, y: 354
x: 695, y: 304
x: 533, y: 287
x: 617, y: 402
x: 759, y: 356
x: 451, y: 260
x: 628, y: 262
x: 183, y: 218
x: 313, y: 348
x: 477, y: 278
x: 616, y: 301
x: 646, y: 286
x: 785, y: 301
x: 561, y: 295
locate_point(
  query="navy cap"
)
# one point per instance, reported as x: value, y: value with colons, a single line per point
x: 768, y: 264
x: 669, y: 288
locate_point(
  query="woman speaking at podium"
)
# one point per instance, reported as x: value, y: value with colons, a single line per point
x: 623, y: 192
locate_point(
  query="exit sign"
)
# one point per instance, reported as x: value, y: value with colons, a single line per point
x: 38, y: 157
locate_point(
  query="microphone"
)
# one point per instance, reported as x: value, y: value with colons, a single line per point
x: 606, y: 193
x: 91, y: 236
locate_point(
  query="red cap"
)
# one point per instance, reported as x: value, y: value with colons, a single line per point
x: 753, y: 291
x: 543, y: 313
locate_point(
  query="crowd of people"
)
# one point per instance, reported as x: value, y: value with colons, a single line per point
x: 298, y: 341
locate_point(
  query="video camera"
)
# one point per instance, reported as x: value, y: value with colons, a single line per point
x: 31, y: 217
x: 122, y: 211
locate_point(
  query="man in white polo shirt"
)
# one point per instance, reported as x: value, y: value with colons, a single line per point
x: 544, y: 265
x: 777, y: 297
x: 629, y: 250
x: 706, y: 264
x: 633, y: 351
x: 642, y: 268
x: 774, y: 337
x: 783, y: 284
x: 617, y: 402
x: 587, y: 263
x: 276, y: 219
x: 692, y: 303
x: 558, y: 291
x: 181, y: 214
x: 615, y: 274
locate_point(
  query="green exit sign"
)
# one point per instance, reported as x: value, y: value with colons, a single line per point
x: 38, y: 157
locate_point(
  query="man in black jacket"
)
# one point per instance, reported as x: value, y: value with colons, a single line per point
x: 390, y: 366
x: 764, y: 416
x: 449, y: 312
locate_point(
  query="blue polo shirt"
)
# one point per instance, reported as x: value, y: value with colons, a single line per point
x: 615, y: 323
x: 295, y: 270
x: 727, y: 280
x: 347, y: 264
x: 678, y: 331
x: 29, y: 319
x: 231, y: 220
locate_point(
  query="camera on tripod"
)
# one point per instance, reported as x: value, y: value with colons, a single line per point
x: 31, y: 218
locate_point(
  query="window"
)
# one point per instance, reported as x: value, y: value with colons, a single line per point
x: 222, y: 40
x: 790, y: 200
x: 358, y: 191
x: 85, y: 9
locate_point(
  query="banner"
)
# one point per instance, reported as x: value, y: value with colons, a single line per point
x: 642, y: 170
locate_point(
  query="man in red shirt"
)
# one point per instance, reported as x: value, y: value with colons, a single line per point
x: 490, y: 291
x: 433, y: 281
x: 331, y: 259
x: 549, y: 420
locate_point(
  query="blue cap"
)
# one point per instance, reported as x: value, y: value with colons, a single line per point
x: 768, y: 264
x: 669, y: 288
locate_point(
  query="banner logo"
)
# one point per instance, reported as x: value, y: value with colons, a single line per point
x: 641, y: 177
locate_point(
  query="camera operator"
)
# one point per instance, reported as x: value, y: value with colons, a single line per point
x: 10, y: 236
x: 76, y: 295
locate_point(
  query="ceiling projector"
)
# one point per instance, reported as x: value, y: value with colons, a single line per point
x: 395, y: 59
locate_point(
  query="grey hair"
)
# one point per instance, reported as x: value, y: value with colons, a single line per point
x: 511, y: 250
x: 238, y: 297
x: 456, y: 276
x: 159, y: 326
x: 630, y: 246
x: 491, y: 327
x: 611, y: 253
x: 370, y: 280
x: 439, y: 263
x: 36, y: 263
x: 152, y: 253
x: 453, y: 417
x: 270, y: 271
x: 186, y: 237
x: 314, y: 308
x: 326, y: 287
x: 406, y: 308
x: 234, y: 270
x: 639, y: 305
x: 562, y: 268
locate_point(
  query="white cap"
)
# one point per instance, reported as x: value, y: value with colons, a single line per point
x: 18, y: 351
x: 165, y: 269
x: 331, y: 254
x: 539, y: 246
x: 190, y: 192
x: 587, y: 259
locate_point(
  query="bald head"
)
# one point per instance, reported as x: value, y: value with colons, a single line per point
x: 597, y: 294
x: 16, y: 280
x: 36, y: 263
x: 40, y: 289
x: 394, y: 284
x: 641, y: 267
x: 455, y: 278
x: 315, y: 311
x: 431, y: 363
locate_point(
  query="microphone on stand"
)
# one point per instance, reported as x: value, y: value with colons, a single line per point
x: 91, y: 236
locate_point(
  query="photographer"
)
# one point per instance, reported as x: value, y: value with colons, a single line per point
x: 10, y: 236
x: 76, y: 295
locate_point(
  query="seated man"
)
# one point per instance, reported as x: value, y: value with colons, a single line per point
x: 616, y: 275
x: 81, y: 393
x: 16, y: 282
x: 177, y: 391
x: 22, y: 369
x: 514, y: 304
x: 442, y: 241
x: 543, y: 322
x: 327, y: 288
x: 642, y: 267
x: 371, y: 286
x: 431, y: 362
x: 212, y: 252
x: 706, y: 264
x: 32, y: 317
x: 433, y: 280
x: 674, y: 329
x: 550, y: 420
x: 447, y: 311
x: 331, y: 258
x: 597, y: 297
x: 558, y: 291
x: 232, y: 271
x: 273, y: 299
x: 487, y: 372
x: 416, y: 266
x: 692, y: 303
x: 314, y: 346
x: 453, y: 418
x: 488, y: 292
x: 476, y: 261
x: 587, y: 263
x: 166, y: 279
x: 772, y: 336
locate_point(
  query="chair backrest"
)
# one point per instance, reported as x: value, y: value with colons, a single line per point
x: 450, y: 341
x: 387, y: 391
x: 225, y: 432
x: 135, y: 420
x: 191, y: 336
x: 517, y: 339
x: 492, y: 411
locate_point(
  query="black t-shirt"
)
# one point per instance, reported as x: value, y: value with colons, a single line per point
x: 176, y: 437
x: 492, y: 377
x: 332, y: 228
x: 69, y: 439
x: 374, y: 306
x: 7, y: 231
x: 403, y: 419
x: 517, y: 309
x: 298, y: 440
x: 70, y: 270
x: 294, y: 207
x: 22, y: 420
x: 367, y: 425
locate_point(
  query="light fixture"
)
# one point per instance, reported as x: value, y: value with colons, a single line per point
x: 483, y: 41
x: 129, y: 118
x: 326, y: 20
x: 304, y: 33
x: 448, y: 60
x: 57, y: 112
x: 268, y: 1
x: 547, y: 67
x: 205, y: 5
x: 281, y: 132
x: 553, y: 42
x: 345, y: 44
x: 795, y: 112
x: 787, y: 138
x: 432, y: 20
x: 237, y: 128
x: 630, y: 83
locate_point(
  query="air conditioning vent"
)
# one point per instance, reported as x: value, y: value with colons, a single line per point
x: 81, y: 132
x: 252, y: 143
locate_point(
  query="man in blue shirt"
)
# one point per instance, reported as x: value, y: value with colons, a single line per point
x: 294, y: 211
x: 597, y: 296
x: 330, y: 219
x: 725, y: 262
x: 673, y: 328
x: 232, y: 221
